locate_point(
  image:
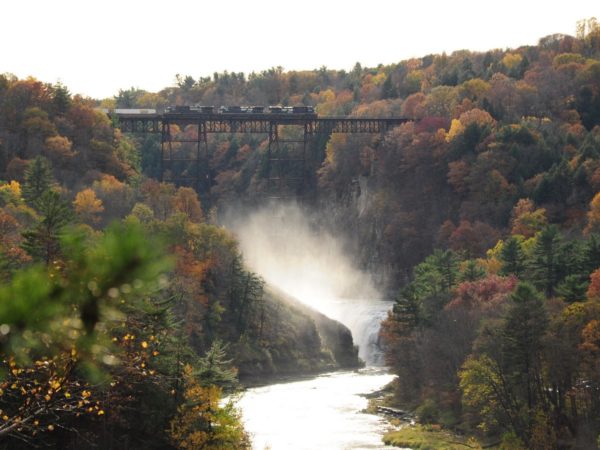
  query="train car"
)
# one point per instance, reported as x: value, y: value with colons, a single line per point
x: 202, y: 109
x: 258, y: 109
x: 292, y: 109
x: 303, y: 110
x: 178, y: 109
x: 231, y: 110
x: 134, y: 111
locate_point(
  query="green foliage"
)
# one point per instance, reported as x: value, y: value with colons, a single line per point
x: 214, y: 369
x: 555, y: 185
x: 406, y: 308
x: 245, y: 294
x: 388, y: 90
x: 522, y: 333
x: 433, y: 280
x: 142, y: 212
x: 150, y: 155
x: 482, y: 390
x: 437, y: 274
x: 129, y: 153
x: 572, y: 288
x: 426, y: 438
x: 466, y: 143
x: 203, y: 422
x: 504, y: 387
x: 66, y: 305
x: 513, y: 259
x: 38, y: 180
x: 428, y: 412
x: 61, y: 98
x: 42, y: 242
x: 590, y: 148
x: 546, y: 258
x: 471, y: 271
x: 510, y: 441
x: 591, y: 254
x: 127, y: 98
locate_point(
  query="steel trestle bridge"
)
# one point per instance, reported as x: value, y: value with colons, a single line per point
x: 283, y: 151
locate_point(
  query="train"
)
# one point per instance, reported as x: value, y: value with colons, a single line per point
x: 125, y: 111
x: 183, y: 109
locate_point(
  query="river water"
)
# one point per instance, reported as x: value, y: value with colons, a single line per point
x: 324, y: 412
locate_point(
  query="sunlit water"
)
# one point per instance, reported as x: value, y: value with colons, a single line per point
x: 325, y: 412
x: 363, y: 317
x: 320, y: 413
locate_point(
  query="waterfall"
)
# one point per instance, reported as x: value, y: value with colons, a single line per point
x: 363, y: 317
x: 286, y: 247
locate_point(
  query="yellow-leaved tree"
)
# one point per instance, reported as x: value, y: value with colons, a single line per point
x: 203, y: 422
x: 593, y: 216
x: 186, y: 201
x: 526, y: 220
x: 88, y: 206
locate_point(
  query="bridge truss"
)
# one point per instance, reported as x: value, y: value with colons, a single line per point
x: 184, y: 141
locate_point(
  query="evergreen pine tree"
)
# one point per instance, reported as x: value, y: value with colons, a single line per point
x: 573, y: 288
x: 591, y: 254
x: 512, y: 257
x: 472, y: 271
x: 388, y: 90
x: 406, y: 311
x: 38, y: 180
x: 61, y: 98
x: 521, y: 345
x: 214, y: 368
x: 446, y: 263
x: 572, y: 259
x: 42, y: 241
x: 545, y: 264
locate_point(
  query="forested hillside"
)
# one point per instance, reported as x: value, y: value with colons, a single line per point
x: 483, y: 211
x: 489, y: 129
x: 126, y: 311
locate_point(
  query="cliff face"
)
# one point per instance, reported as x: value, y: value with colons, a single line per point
x: 352, y: 215
x: 295, y: 340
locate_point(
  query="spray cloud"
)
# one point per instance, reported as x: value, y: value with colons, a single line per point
x: 285, y: 246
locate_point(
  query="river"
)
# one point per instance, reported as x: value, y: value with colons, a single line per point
x: 324, y: 412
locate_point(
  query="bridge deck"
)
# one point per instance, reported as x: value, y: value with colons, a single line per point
x: 256, y: 122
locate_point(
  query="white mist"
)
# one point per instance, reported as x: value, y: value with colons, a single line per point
x: 281, y: 244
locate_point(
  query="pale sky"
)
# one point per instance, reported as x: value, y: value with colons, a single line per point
x: 96, y: 47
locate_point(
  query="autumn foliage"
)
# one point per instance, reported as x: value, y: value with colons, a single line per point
x: 481, y: 215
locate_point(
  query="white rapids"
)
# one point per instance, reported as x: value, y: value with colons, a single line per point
x: 320, y: 413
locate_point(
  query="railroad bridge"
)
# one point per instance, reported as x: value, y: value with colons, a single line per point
x: 287, y: 152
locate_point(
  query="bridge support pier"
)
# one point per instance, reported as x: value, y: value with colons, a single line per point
x: 184, y: 156
x: 287, y: 159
